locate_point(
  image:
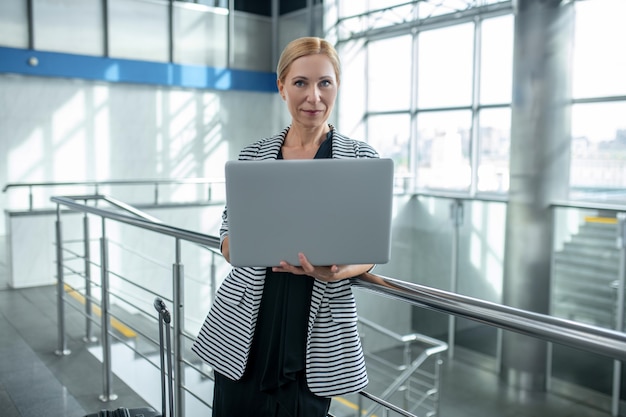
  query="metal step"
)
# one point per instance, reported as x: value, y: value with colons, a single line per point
x: 598, y: 234
x: 596, y: 251
x: 585, y: 268
x: 584, y: 276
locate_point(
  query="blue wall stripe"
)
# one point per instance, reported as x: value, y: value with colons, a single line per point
x: 55, y: 64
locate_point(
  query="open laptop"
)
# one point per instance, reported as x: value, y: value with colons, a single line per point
x: 335, y: 211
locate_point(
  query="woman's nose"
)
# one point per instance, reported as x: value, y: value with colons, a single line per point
x: 314, y: 94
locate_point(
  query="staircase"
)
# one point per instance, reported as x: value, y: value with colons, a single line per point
x: 585, y: 274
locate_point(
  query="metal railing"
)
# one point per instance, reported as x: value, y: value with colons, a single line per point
x: 417, y: 393
x: 593, y: 339
x: 156, y: 184
x: 143, y: 221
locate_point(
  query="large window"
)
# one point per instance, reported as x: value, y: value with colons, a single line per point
x: 427, y: 109
x: 599, y: 89
x: 452, y: 85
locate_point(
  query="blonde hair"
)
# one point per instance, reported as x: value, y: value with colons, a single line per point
x: 304, y: 47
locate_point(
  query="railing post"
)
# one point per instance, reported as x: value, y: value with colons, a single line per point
x: 108, y: 394
x: 156, y: 193
x: 407, y: 364
x: 62, y: 343
x: 30, y: 198
x: 179, y: 314
x: 88, y: 304
x: 213, y: 276
x: 438, y: 363
x: 359, y: 402
x: 456, y: 215
x: 619, y: 319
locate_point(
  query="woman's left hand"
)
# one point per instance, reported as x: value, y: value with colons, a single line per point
x: 327, y: 273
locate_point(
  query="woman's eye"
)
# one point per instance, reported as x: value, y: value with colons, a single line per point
x: 325, y: 83
x: 299, y: 83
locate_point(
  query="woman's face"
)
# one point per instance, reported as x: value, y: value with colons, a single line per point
x: 310, y: 90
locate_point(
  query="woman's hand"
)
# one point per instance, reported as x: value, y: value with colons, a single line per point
x: 225, y: 249
x: 323, y: 273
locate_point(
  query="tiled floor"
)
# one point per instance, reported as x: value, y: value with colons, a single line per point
x: 35, y: 382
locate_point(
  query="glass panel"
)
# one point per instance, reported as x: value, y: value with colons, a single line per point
x: 57, y: 24
x: 494, y: 139
x: 137, y: 30
x: 443, y: 146
x: 445, y: 67
x: 585, y: 269
x: 389, y: 74
x: 599, y: 53
x: 13, y: 24
x: 295, y: 25
x: 599, y: 146
x: 496, y: 60
x: 389, y: 135
x: 585, y: 266
x: 200, y: 36
x: 250, y: 42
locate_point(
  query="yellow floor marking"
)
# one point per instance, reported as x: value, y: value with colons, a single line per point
x: 126, y: 331
x: 350, y: 404
x: 608, y: 220
x: 117, y: 325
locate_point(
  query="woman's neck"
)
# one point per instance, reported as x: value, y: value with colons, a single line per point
x: 302, y: 143
x: 301, y: 137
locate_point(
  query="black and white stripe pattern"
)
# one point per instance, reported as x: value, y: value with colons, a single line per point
x: 334, y: 358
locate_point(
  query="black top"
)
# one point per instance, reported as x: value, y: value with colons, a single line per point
x: 279, y: 344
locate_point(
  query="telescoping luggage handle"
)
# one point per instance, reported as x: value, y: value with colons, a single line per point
x: 165, y: 319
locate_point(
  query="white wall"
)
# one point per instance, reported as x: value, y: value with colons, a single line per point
x: 76, y: 130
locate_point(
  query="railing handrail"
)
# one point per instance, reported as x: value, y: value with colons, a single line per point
x: 183, y: 234
x: 443, y: 194
x: 590, y: 205
x: 199, y: 180
x: 590, y: 338
x: 603, y: 341
x: 553, y: 329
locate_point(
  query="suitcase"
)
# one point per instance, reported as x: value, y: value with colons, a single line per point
x: 164, y: 322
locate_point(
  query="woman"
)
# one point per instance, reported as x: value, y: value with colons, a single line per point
x: 283, y: 340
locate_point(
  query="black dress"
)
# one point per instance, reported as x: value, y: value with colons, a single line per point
x: 274, y: 383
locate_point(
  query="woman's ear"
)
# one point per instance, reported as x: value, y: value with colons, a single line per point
x: 281, y: 87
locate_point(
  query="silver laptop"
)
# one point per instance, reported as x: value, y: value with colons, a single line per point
x: 335, y: 211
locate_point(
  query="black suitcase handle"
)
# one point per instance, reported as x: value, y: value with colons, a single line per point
x: 165, y: 319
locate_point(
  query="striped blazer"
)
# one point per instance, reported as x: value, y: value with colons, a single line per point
x: 334, y: 357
